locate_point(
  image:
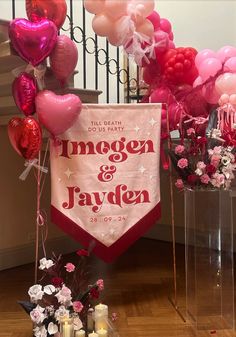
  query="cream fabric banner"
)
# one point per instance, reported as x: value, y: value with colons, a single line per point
x: 105, y: 176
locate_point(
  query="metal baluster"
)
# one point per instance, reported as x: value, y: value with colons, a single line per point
x: 128, y: 81
x: 118, y: 74
x: 13, y: 6
x: 71, y: 20
x: 84, y: 46
x: 96, y: 62
x: 138, y: 84
x: 107, y: 71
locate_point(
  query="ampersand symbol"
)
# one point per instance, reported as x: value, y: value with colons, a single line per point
x: 106, y: 173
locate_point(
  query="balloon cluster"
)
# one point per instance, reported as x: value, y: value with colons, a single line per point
x: 34, y: 40
x: 128, y: 23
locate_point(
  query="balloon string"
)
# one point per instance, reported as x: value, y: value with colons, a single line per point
x: 37, y: 222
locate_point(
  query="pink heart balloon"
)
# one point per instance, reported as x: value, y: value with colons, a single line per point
x: 33, y: 41
x: 57, y: 112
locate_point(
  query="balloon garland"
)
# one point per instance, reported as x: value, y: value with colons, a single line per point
x: 191, y: 84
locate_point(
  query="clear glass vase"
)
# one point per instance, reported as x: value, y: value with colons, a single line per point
x: 209, y: 259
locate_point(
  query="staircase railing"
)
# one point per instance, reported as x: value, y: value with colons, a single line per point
x: 101, y: 66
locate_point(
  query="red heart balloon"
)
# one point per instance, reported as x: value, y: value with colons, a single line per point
x: 25, y: 136
x: 54, y: 10
x: 33, y: 41
x: 24, y: 91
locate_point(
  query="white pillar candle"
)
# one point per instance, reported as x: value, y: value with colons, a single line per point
x: 93, y: 334
x: 67, y: 330
x: 102, y: 333
x: 80, y: 333
x: 101, y: 317
x: 90, y: 321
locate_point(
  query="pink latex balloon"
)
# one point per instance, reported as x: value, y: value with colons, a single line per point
x: 94, y: 7
x: 162, y: 42
x: 33, y: 41
x: 115, y: 9
x: 146, y: 28
x: 165, y: 25
x: 209, y: 67
x: 57, y: 112
x: 154, y: 17
x: 230, y: 65
x: 171, y: 45
x: 161, y: 95
x: 171, y: 36
x: 226, y: 84
x: 197, y: 82
x: 102, y: 25
x: 203, y: 55
x: 224, y: 99
x: 226, y: 53
x: 232, y: 99
x: 210, y: 94
x: 64, y: 58
x: 24, y: 91
x: 146, y: 7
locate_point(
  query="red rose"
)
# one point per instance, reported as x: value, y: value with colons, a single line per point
x: 57, y: 281
x: 192, y: 179
x: 94, y: 293
x: 82, y: 252
x: 210, y: 169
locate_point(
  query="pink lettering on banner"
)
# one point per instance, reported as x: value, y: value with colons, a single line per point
x: 105, y: 176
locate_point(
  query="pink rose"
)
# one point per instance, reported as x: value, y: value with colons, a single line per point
x: 179, y: 149
x: 100, y: 284
x: 77, y: 306
x: 215, y: 160
x: 190, y: 131
x: 182, y: 163
x: 70, y: 267
x: 179, y: 184
x: 64, y: 296
x: 218, y: 180
x: 205, y: 179
x: 201, y: 165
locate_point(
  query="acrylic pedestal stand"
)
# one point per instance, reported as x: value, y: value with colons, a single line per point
x: 209, y: 262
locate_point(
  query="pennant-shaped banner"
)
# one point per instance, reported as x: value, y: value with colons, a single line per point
x: 105, y: 176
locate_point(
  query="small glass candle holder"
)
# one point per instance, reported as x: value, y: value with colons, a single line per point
x: 66, y: 327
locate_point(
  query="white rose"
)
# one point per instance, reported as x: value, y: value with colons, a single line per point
x: 77, y: 323
x: 37, y: 315
x: 52, y: 328
x: 40, y: 331
x: 64, y: 296
x: 35, y: 292
x: 49, y: 289
x: 198, y: 172
x: 61, y: 312
x: 45, y: 264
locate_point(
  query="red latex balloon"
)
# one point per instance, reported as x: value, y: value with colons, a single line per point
x: 24, y: 91
x: 54, y: 10
x: 178, y: 65
x: 33, y: 41
x: 25, y: 136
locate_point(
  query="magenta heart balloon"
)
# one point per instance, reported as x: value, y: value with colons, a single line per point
x: 33, y: 41
x: 24, y: 91
x: 57, y: 112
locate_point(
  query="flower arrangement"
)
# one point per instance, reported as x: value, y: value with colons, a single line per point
x: 61, y: 294
x: 203, y: 162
